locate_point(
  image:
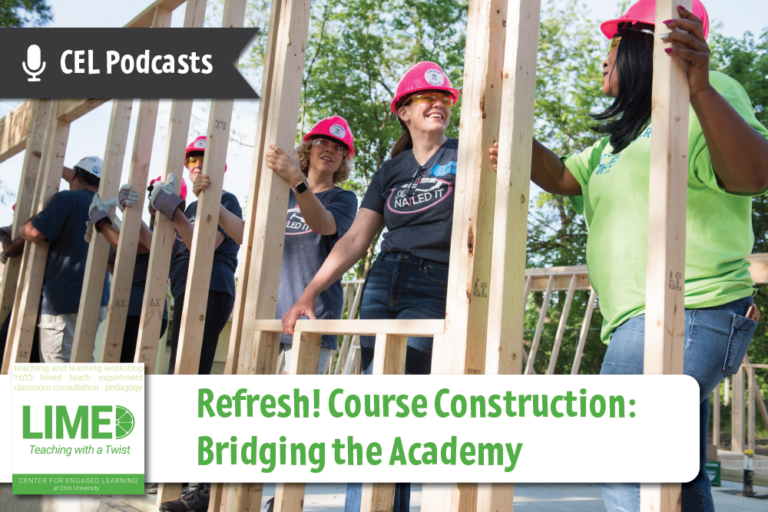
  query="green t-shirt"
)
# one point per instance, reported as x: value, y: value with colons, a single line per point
x: 615, y: 201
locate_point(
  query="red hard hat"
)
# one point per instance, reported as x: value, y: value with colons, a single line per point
x: 197, y: 146
x: 13, y: 208
x: 335, y: 127
x: 422, y: 77
x: 183, y: 193
x: 644, y: 11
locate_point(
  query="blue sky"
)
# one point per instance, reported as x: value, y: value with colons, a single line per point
x: 88, y: 134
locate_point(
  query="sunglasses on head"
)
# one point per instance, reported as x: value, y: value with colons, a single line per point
x: 334, y: 146
x: 617, y: 38
x: 431, y: 97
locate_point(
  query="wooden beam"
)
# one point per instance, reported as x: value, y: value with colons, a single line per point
x: 15, y: 128
x: 24, y: 199
x: 737, y: 411
x: 361, y: 327
x: 305, y: 353
x: 388, y: 359
x: 164, y: 234
x: 289, y: 497
x: 561, y: 327
x: 716, y: 416
x: 351, y: 315
x: 760, y: 400
x: 751, y: 384
x: 27, y: 302
x: 234, y: 362
x: 122, y: 277
x: 257, y: 349
x: 665, y: 278
x: 167, y: 492
x: 539, y: 327
x: 145, y: 18
x: 471, y: 242
x: 207, y: 223
x: 98, y: 250
x: 510, y: 222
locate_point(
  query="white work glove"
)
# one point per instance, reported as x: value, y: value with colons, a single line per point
x: 127, y: 196
x: 99, y: 210
x: 88, y: 231
x: 164, y: 198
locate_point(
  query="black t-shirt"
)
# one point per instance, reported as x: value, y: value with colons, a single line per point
x: 139, y: 282
x: 304, y: 253
x: 416, y: 202
x: 224, y: 259
x: 63, y: 224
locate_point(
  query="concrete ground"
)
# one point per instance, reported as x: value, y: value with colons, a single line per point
x: 330, y: 498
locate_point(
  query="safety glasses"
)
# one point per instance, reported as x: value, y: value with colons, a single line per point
x: 617, y: 38
x: 194, y: 160
x: 431, y: 98
x: 333, y: 146
x: 614, y: 43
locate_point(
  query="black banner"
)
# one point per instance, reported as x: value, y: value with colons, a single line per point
x: 123, y: 63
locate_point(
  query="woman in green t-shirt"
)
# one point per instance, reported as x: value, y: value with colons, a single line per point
x: 728, y: 164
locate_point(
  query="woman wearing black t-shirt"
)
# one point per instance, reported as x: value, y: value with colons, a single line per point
x: 412, y: 195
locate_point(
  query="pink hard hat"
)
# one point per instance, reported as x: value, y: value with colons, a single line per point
x: 183, y: 193
x: 644, y: 11
x: 197, y: 146
x: 335, y: 127
x: 422, y: 77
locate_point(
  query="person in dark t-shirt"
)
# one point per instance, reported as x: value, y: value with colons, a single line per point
x: 127, y: 197
x: 412, y: 195
x: 221, y: 292
x: 62, y: 225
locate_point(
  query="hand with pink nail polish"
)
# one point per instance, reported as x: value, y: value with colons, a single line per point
x: 692, y: 47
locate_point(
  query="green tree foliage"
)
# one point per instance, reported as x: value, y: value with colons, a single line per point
x: 24, y: 13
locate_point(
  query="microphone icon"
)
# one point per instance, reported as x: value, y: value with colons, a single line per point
x: 34, y: 62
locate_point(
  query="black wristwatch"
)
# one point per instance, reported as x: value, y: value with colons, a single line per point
x: 301, y: 187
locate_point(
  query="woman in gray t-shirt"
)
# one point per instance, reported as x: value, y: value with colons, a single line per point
x: 319, y: 213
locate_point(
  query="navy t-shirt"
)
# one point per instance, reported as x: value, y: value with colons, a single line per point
x: 305, y: 252
x: 63, y: 224
x: 138, y: 283
x: 416, y: 202
x: 224, y: 259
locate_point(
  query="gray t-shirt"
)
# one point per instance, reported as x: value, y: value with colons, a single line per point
x: 416, y: 202
x: 305, y: 252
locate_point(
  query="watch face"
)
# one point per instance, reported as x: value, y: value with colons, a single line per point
x: 301, y: 187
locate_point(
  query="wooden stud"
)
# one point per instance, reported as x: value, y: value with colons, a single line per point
x: 27, y: 302
x: 98, y: 250
x: 561, y: 326
x: 234, y: 362
x: 716, y: 416
x: 751, y: 408
x: 164, y: 234
x: 269, y: 220
x: 207, y: 223
x: 289, y: 497
x: 665, y: 278
x: 305, y: 353
x: 471, y: 244
x: 351, y: 315
x: 727, y: 393
x: 539, y: 327
x: 378, y: 498
x: 167, y: 492
x: 125, y: 258
x: 510, y: 220
x: 24, y: 201
x: 737, y: 411
x: 214, y: 498
x: 760, y: 401
x: 584, y: 332
x: 357, y: 327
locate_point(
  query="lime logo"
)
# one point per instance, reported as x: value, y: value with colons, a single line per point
x: 124, y: 422
x: 87, y: 422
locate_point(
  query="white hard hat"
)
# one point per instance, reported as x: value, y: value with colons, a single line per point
x: 91, y: 164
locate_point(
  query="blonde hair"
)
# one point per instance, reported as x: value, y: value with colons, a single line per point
x: 341, y: 174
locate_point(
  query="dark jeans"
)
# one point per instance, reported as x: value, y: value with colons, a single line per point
x: 217, y: 313
x: 131, y: 335
x: 400, y: 287
x: 716, y: 340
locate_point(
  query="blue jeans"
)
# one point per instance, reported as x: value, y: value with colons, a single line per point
x: 402, y: 287
x: 716, y: 340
